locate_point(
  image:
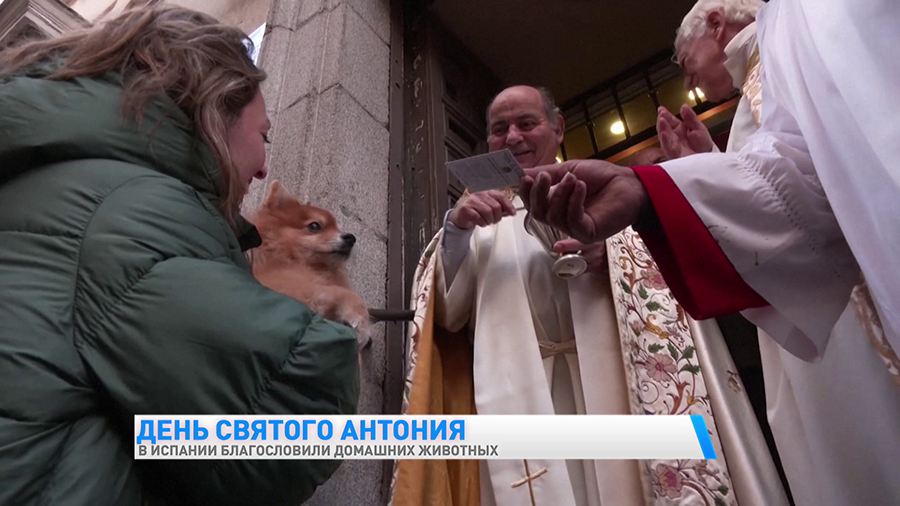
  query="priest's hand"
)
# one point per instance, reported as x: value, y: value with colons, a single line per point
x: 481, y: 209
x: 593, y: 254
x: 589, y: 200
x: 682, y: 137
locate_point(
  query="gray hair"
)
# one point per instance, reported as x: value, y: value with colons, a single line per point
x: 550, y: 107
x: 736, y: 11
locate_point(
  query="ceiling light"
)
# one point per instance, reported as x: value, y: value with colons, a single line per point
x: 617, y: 128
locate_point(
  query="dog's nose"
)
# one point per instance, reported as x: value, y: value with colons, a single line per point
x: 349, y: 239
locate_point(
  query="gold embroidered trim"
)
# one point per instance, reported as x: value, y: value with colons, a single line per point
x: 864, y: 308
x: 752, y: 87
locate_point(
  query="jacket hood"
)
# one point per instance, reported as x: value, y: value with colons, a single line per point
x: 44, y: 122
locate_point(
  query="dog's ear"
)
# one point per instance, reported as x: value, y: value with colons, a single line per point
x: 277, y: 196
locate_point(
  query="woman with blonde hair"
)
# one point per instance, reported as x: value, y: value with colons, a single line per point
x: 125, y: 151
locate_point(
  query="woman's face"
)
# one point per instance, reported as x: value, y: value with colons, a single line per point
x: 247, y: 140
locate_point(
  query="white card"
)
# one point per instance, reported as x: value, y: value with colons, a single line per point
x: 490, y: 171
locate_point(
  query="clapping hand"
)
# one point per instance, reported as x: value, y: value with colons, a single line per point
x: 682, y: 137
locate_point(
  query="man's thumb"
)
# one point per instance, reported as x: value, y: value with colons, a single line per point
x: 568, y: 246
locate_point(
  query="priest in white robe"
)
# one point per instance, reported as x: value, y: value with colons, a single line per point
x: 717, y: 51
x: 611, y: 341
x: 806, y: 428
x: 754, y: 230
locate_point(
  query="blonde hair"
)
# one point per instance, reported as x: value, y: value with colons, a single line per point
x: 735, y: 11
x: 201, y: 64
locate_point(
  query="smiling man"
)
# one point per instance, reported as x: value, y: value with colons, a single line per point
x: 543, y: 345
x: 526, y: 360
x: 525, y: 121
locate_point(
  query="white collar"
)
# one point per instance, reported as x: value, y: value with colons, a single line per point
x: 738, y: 53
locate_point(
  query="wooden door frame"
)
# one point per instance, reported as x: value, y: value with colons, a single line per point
x: 417, y: 192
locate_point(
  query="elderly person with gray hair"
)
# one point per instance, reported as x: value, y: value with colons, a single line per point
x: 781, y: 230
x: 716, y: 48
x: 717, y: 39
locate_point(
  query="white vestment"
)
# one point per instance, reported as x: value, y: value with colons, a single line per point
x: 512, y: 297
x: 826, y: 81
x: 503, y: 287
x: 836, y: 422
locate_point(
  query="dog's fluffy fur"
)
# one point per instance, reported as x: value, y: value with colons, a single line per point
x: 304, y: 256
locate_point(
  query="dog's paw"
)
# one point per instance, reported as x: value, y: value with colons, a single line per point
x: 363, y: 334
x: 357, y: 318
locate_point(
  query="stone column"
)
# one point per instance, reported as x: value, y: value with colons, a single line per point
x: 328, y: 98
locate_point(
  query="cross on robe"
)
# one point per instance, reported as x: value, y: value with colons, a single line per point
x: 528, y: 479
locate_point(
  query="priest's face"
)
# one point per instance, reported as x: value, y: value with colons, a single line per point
x: 703, y: 61
x: 517, y: 120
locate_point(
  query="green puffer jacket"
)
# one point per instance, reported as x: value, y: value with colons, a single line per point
x: 123, y: 291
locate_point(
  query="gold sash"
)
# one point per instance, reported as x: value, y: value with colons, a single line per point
x: 752, y: 87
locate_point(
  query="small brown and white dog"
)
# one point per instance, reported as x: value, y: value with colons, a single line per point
x: 304, y: 256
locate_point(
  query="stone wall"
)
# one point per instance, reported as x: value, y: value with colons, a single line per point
x: 245, y: 14
x: 328, y: 98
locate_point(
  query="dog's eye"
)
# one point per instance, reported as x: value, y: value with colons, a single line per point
x: 314, y: 226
